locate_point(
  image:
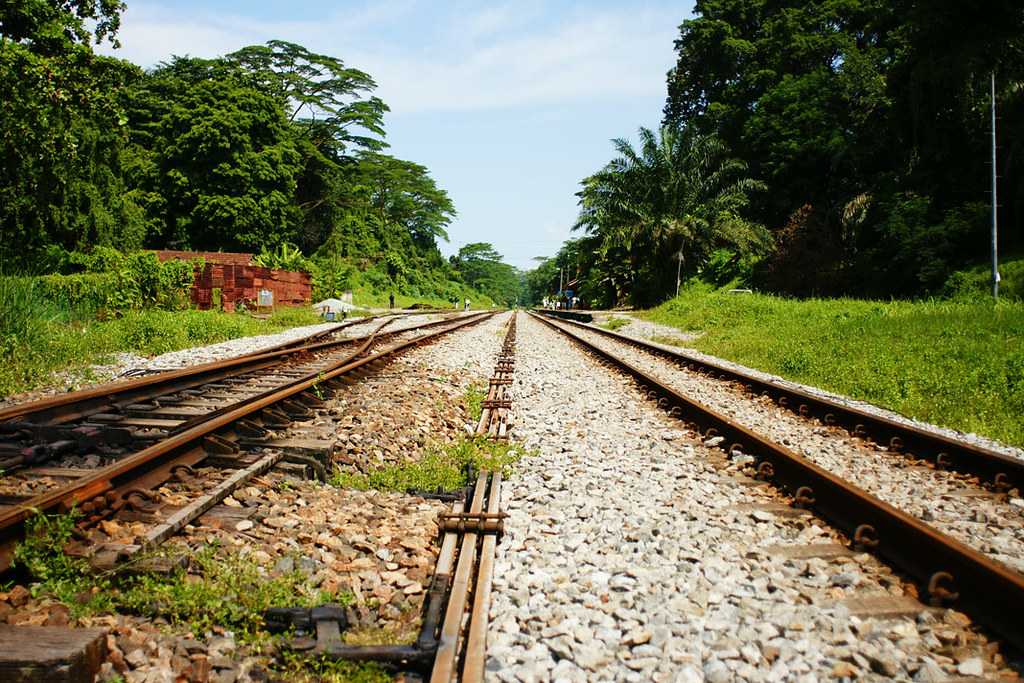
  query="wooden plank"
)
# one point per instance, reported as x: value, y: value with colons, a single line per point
x: 50, y: 654
x: 64, y: 472
x: 317, y: 448
x: 802, y: 552
x: 883, y: 606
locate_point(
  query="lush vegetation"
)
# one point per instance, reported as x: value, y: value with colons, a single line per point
x: 440, y: 468
x: 220, y: 588
x: 831, y: 147
x: 41, y: 334
x: 272, y: 149
x: 956, y: 364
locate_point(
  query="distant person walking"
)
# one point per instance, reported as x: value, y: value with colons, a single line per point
x: 391, y: 300
x: 466, y: 308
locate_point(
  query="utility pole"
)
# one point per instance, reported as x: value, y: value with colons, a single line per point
x: 995, y: 203
x: 561, y: 279
x: 679, y: 267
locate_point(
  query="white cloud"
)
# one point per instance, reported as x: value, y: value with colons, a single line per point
x: 500, y: 56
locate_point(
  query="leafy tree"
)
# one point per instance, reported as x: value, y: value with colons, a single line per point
x: 404, y: 194
x: 321, y: 94
x: 862, y: 115
x: 482, y: 268
x: 679, y: 193
x: 57, y: 26
x: 215, y: 162
x: 62, y: 132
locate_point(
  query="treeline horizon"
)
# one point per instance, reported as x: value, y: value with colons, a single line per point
x: 822, y: 148
x: 271, y: 149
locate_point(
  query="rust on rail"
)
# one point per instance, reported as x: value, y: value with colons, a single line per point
x: 958, y: 574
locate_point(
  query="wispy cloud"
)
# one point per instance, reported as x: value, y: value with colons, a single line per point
x: 465, y: 57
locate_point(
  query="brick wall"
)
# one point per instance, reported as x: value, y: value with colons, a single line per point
x: 237, y: 279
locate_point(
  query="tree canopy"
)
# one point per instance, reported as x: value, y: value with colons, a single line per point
x: 860, y: 129
x: 267, y: 147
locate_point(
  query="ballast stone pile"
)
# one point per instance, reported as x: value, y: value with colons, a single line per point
x: 625, y: 557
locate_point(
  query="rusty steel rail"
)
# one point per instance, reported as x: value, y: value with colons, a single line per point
x: 461, y: 639
x: 65, y: 408
x: 154, y: 464
x: 1001, y: 471
x: 948, y: 571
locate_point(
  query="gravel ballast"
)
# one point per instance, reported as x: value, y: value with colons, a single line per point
x: 954, y: 503
x: 632, y: 552
x: 652, y: 333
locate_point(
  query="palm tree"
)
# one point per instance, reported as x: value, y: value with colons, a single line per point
x: 680, y: 193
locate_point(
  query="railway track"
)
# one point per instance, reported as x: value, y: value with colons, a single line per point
x: 109, y: 422
x: 998, y: 471
x: 947, y: 571
x: 225, y: 435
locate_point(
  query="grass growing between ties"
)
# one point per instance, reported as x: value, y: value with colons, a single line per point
x: 218, y: 589
x: 40, y: 337
x: 303, y: 669
x: 473, y: 399
x: 440, y: 467
x: 959, y: 364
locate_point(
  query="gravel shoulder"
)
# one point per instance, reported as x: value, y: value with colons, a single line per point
x: 632, y: 552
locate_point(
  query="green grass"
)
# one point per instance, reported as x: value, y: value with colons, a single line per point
x: 374, y: 299
x: 39, y: 338
x: 440, y: 468
x: 220, y: 588
x: 952, y: 363
x: 473, y: 399
x: 614, y: 324
x: 975, y: 283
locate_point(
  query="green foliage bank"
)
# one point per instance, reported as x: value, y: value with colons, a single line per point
x: 267, y: 146
x: 836, y: 147
x: 956, y: 364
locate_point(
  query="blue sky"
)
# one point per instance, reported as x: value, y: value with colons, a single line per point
x: 508, y: 105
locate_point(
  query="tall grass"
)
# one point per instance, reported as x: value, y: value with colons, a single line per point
x: 957, y: 364
x: 40, y: 337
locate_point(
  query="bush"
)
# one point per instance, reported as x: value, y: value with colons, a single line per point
x: 109, y: 280
x: 975, y: 284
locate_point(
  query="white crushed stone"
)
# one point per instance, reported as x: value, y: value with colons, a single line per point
x: 625, y: 558
x: 643, y: 329
x: 647, y: 331
x: 473, y: 350
x: 943, y: 499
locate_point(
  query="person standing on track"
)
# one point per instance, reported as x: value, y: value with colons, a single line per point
x: 391, y: 300
x: 466, y: 308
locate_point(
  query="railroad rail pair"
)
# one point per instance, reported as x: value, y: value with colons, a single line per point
x: 950, y: 572
x: 216, y: 436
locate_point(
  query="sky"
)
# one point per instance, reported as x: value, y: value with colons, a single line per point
x: 509, y: 105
